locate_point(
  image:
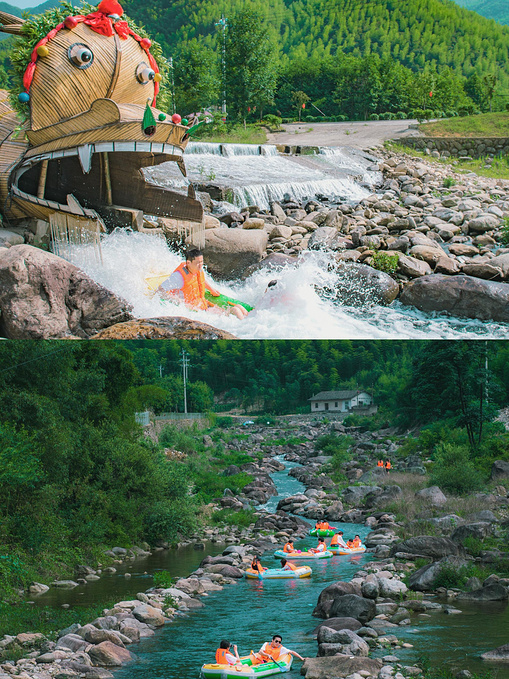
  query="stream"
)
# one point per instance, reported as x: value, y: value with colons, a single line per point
x: 251, y: 611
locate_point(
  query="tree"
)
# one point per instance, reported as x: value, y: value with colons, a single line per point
x: 300, y: 100
x: 197, y: 80
x: 251, y: 63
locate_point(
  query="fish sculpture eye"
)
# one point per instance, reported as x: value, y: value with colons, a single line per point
x: 144, y: 74
x: 80, y: 55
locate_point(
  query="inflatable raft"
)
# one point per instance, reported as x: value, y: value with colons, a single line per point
x: 279, y: 573
x: 154, y: 280
x: 344, y: 550
x: 322, y: 532
x: 212, y: 670
x: 279, y: 554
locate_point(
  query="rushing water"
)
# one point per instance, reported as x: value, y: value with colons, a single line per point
x: 295, y: 309
x: 258, y: 175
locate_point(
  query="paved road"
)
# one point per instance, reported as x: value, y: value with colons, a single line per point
x: 357, y: 134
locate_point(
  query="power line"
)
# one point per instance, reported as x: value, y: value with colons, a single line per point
x: 39, y: 358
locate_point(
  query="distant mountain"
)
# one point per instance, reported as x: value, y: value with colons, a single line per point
x: 20, y: 6
x: 491, y: 9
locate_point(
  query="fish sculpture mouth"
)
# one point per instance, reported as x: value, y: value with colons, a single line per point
x: 98, y: 157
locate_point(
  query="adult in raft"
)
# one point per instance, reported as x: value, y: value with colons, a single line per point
x: 287, y: 565
x: 338, y: 539
x: 188, y: 284
x: 272, y: 650
x: 320, y: 547
x: 289, y: 548
x: 224, y: 655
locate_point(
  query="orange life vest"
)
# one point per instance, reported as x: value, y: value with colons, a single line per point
x: 388, y: 465
x: 320, y: 547
x: 194, y: 287
x: 272, y: 652
x: 350, y: 544
x: 221, y: 656
x: 356, y: 542
x: 380, y: 463
x: 290, y: 566
x: 288, y: 548
x: 335, y: 540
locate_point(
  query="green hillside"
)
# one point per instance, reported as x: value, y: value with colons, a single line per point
x: 416, y: 33
x: 491, y: 9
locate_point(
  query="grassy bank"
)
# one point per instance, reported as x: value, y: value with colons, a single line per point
x: 232, y: 134
x: 482, y: 125
x: 497, y: 169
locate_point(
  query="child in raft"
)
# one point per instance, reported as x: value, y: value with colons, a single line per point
x: 224, y: 657
x: 287, y: 566
x: 356, y: 542
x: 289, y: 548
x: 321, y: 546
x: 256, y: 565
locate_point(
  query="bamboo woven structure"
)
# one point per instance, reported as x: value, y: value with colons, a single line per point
x: 91, y: 92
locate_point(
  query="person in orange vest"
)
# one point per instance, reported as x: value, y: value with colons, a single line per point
x: 321, y: 546
x: 287, y: 566
x: 388, y: 466
x: 187, y: 283
x: 224, y: 656
x: 380, y: 463
x: 289, y: 548
x: 256, y: 565
x: 337, y: 539
x: 273, y: 650
x: 356, y: 541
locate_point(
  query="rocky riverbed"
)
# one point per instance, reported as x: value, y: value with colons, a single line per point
x: 429, y: 236
x: 362, y: 617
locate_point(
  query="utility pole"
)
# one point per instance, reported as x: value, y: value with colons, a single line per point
x: 223, y: 22
x: 160, y: 370
x: 184, y: 360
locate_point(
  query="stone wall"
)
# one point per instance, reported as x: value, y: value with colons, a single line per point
x: 475, y: 147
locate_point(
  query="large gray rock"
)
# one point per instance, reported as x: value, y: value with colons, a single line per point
x: 432, y: 496
x: 338, y: 624
x: 44, y: 297
x: 353, y: 606
x: 327, y: 596
x: 391, y: 588
x: 459, y: 295
x: 73, y: 642
x: 228, y: 252
x: 354, y: 495
x: 489, y: 593
x: 500, y: 654
x: 135, y: 630
x: 149, y: 615
x: 479, y: 531
x: 360, y: 284
x: 107, y: 654
x: 386, y: 495
x: 499, y: 470
x: 339, y: 666
x: 423, y: 580
x: 349, y: 642
x: 428, y: 545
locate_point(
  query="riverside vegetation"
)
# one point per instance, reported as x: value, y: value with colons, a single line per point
x: 469, y: 566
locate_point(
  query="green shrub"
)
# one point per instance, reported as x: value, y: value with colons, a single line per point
x: 449, y: 181
x: 234, y: 517
x: 385, y: 262
x: 454, y: 471
x: 168, y: 521
x: 224, y: 422
x: 374, y: 116
x: 474, y: 546
x: 401, y: 115
x: 504, y: 232
x: 272, y: 121
x: 181, y: 440
x: 163, y: 579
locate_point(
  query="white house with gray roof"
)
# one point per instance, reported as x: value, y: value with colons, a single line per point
x: 341, y: 401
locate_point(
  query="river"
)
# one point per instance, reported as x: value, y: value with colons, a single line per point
x: 251, y: 611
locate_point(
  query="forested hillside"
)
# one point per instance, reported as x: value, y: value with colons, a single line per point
x: 491, y: 9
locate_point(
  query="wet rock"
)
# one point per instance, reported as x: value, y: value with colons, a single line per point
x: 329, y: 594
x: 109, y: 655
x: 166, y: 327
x: 338, y: 624
x: 352, y: 606
x: 360, y: 284
x: 228, y: 252
x: 500, y: 654
x: 349, y: 642
x: 489, y: 593
x: 44, y: 297
x: 149, y: 615
x: 37, y: 588
x: 226, y: 571
x: 460, y: 295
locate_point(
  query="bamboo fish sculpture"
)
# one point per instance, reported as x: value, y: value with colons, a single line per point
x: 91, y: 87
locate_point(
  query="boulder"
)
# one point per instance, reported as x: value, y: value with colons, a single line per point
x: 432, y: 496
x: 109, y: 655
x: 460, y: 295
x: 423, y: 580
x: 226, y: 571
x: 73, y: 642
x: 360, y: 284
x: 428, y: 545
x: 149, y: 615
x: 391, y: 588
x: 493, y: 592
x: 354, y: 495
x: 228, y: 252
x: 350, y: 643
x: 134, y: 629
x: 166, y: 327
x: 353, y: 606
x: 37, y: 588
x: 337, y: 624
x: 478, y: 530
x: 10, y: 238
x: 499, y: 470
x: 44, y: 297
x: 412, y: 267
x: 339, y: 666
x: 329, y: 594
x: 385, y: 496
x: 500, y: 654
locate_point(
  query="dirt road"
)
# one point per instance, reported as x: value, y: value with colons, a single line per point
x: 357, y: 134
